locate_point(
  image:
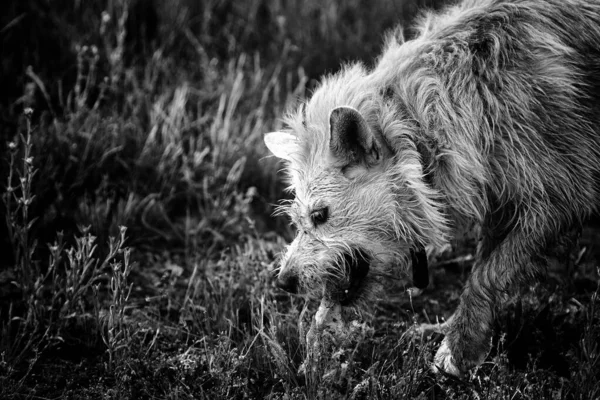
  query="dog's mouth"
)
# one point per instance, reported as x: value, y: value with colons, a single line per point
x: 357, y: 267
x: 420, y: 269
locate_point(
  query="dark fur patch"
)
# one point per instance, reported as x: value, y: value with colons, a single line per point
x: 357, y: 265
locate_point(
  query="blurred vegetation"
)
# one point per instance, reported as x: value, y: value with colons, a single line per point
x: 141, y: 104
x: 137, y: 246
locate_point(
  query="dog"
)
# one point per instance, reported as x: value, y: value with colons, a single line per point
x: 490, y: 116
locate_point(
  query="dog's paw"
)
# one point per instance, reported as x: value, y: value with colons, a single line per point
x: 444, y: 361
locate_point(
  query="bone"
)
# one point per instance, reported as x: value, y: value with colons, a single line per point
x: 414, y: 291
x: 333, y: 329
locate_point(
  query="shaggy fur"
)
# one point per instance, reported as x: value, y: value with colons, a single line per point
x: 490, y: 116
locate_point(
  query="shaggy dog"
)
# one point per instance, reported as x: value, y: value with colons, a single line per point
x: 489, y: 116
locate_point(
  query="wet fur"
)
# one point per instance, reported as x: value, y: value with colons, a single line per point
x: 491, y: 115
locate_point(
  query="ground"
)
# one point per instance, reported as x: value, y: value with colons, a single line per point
x: 138, y: 246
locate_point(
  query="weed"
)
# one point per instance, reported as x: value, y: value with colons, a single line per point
x: 17, y: 200
x: 117, y: 334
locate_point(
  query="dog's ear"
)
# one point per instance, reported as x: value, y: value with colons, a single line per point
x: 420, y: 267
x: 283, y: 145
x: 351, y: 140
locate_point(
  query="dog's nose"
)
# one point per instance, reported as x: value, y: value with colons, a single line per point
x: 288, y: 282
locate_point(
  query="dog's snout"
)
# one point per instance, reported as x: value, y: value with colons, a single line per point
x: 288, y: 282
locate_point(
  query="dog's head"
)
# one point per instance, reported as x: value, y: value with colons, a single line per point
x: 361, y: 208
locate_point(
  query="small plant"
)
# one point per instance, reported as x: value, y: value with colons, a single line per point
x: 55, y: 294
x: 114, y: 39
x: 115, y: 333
x: 17, y: 200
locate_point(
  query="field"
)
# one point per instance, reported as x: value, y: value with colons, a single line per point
x: 137, y: 245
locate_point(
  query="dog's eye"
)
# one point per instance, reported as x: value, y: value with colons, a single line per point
x: 319, y: 216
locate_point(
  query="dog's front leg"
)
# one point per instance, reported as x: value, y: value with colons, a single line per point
x: 497, y: 274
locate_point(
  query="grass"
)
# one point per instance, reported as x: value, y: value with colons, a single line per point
x: 137, y: 241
